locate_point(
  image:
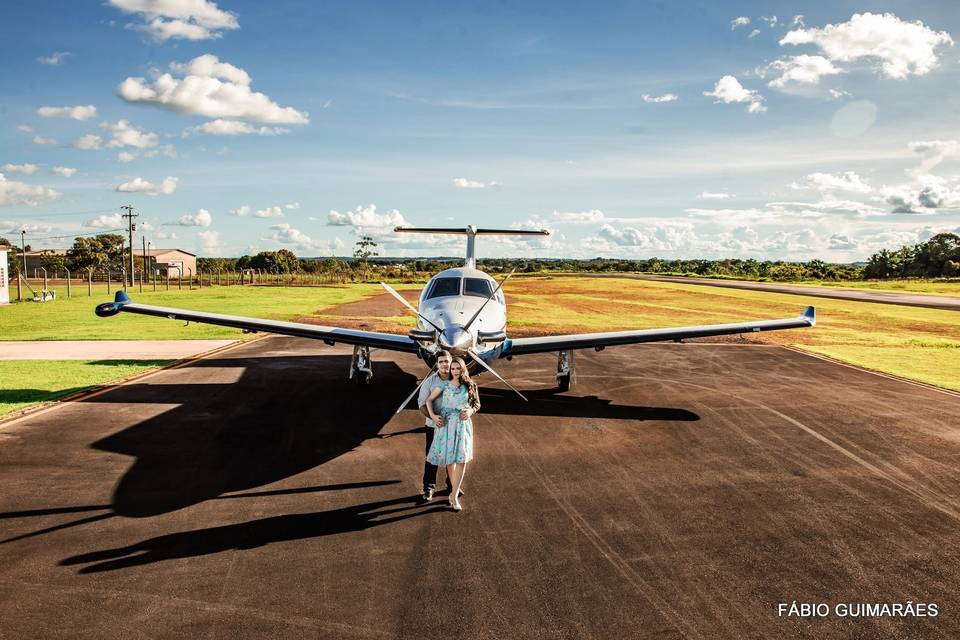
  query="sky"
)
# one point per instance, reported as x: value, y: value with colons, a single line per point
x: 766, y: 130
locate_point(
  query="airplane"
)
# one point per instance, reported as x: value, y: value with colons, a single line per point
x: 461, y: 310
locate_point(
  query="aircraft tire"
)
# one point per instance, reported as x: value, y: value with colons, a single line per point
x: 563, y: 383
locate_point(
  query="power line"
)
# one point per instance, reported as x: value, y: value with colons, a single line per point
x: 76, y: 235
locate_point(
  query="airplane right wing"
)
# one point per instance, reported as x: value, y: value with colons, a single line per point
x: 598, y: 341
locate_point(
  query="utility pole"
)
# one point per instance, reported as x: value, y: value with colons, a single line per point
x: 143, y: 263
x: 131, y: 227
x: 23, y: 246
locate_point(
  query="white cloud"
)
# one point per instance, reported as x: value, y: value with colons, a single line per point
x: 928, y: 194
x: 802, y: 69
x: 269, y: 212
x: 129, y: 135
x: 593, y: 216
x: 184, y: 19
x: 241, y: 212
x: 293, y: 206
x: 78, y: 112
x: 754, y: 33
x: 728, y: 89
x: 18, y: 193
x: 16, y: 226
x: 932, y: 153
x: 797, y: 21
x: 42, y: 140
x: 366, y: 218
x: 201, y: 218
x: 139, y: 185
x: 463, y: 183
x: 667, y: 97
x: 167, y: 150
x: 836, y: 94
x: 54, y: 59
x: 771, y: 21
x: 89, y: 141
x: 25, y: 128
x: 840, y: 242
x: 210, y: 241
x: 25, y: 169
x: 210, y: 88
x: 220, y: 127
x: 104, y: 221
x: 714, y: 195
x: 900, y: 48
x: 739, y: 22
x: 285, y: 234
x: 846, y: 181
x: 65, y: 172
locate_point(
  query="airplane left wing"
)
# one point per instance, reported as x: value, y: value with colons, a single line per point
x: 329, y: 335
x: 520, y: 346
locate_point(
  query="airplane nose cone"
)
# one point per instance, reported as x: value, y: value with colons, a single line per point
x: 456, y: 339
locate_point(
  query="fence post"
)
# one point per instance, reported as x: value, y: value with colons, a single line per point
x: 19, y: 294
x: 168, y: 278
x: 108, y: 281
x: 89, y: 282
x: 190, y: 277
x: 68, y: 282
x: 200, y: 278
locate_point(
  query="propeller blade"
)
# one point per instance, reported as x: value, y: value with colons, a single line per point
x: 409, y: 306
x: 410, y: 397
x: 476, y: 358
x: 477, y: 314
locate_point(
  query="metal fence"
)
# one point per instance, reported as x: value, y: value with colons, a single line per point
x: 79, y: 283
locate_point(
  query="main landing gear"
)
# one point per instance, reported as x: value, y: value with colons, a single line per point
x: 564, y: 370
x: 361, y: 368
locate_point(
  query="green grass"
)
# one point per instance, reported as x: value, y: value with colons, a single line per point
x: 27, y: 382
x: 73, y: 318
x: 940, y: 287
x: 911, y: 342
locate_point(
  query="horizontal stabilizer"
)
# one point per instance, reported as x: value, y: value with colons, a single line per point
x: 472, y: 232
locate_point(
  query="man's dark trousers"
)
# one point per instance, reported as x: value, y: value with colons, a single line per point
x: 430, y: 470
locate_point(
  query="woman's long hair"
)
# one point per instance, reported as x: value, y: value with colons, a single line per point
x: 473, y: 395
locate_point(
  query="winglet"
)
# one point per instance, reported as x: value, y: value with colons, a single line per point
x: 108, y: 309
x: 810, y: 314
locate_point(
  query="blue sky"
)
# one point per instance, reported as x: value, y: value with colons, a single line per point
x: 681, y: 129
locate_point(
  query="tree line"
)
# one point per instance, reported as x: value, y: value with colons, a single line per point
x: 937, y: 257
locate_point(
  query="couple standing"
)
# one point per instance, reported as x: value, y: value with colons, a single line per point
x: 448, y: 398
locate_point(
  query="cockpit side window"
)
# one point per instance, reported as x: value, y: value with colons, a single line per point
x: 479, y: 287
x: 444, y: 287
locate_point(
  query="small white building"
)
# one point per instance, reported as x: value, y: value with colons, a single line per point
x: 165, y: 262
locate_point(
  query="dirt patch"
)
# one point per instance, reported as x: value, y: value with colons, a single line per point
x: 380, y: 306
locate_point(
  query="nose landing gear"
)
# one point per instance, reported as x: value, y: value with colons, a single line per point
x: 361, y: 368
x: 564, y: 370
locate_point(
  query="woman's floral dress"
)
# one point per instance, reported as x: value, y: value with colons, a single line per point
x: 453, y: 442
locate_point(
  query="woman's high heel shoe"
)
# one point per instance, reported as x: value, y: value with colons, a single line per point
x: 454, y: 503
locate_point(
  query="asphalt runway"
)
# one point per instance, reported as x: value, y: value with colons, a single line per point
x: 679, y: 490
x: 930, y: 301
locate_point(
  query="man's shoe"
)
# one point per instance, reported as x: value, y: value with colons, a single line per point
x: 427, y: 496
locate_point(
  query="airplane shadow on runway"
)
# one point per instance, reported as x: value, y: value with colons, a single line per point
x: 282, y: 416
x: 251, y: 535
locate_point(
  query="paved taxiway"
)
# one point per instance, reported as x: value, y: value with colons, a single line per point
x: 930, y: 301
x: 677, y: 491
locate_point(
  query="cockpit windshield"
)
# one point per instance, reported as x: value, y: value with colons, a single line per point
x: 479, y: 287
x: 444, y: 287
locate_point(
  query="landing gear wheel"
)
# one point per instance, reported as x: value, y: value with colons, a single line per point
x: 564, y: 370
x: 563, y: 383
x: 362, y: 378
x: 361, y: 371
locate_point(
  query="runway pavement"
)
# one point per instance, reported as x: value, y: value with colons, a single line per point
x: 679, y: 490
x: 930, y: 301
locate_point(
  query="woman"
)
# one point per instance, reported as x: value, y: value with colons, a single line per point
x: 453, y: 442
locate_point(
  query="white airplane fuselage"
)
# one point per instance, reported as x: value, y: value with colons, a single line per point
x: 449, y: 300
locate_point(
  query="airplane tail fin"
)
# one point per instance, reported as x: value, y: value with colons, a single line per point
x: 472, y: 232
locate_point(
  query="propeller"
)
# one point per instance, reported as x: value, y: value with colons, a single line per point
x: 476, y: 358
x: 416, y: 389
x: 409, y: 306
x: 489, y: 298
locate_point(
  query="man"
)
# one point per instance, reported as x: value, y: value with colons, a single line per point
x: 433, y: 380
